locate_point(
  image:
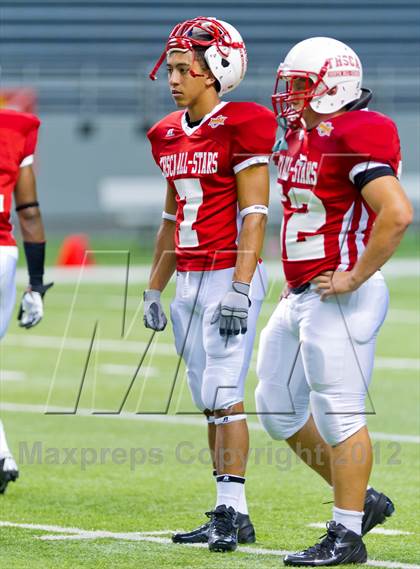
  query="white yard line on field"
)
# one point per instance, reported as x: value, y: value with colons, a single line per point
x: 170, y: 419
x: 379, y: 531
x: 160, y: 348
x: 76, y: 533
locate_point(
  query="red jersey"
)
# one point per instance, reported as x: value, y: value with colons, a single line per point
x: 326, y: 222
x: 18, y: 136
x: 200, y: 163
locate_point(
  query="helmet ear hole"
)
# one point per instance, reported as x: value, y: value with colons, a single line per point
x: 225, y: 62
x: 332, y: 91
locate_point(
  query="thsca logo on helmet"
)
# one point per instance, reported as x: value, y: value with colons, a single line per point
x: 225, y: 54
x: 322, y: 73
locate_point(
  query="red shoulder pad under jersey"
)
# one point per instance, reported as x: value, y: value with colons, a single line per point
x: 160, y: 129
x: 373, y: 140
x: 253, y: 131
x: 24, y: 124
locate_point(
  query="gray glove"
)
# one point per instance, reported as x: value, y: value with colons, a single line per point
x: 232, y: 312
x: 154, y: 317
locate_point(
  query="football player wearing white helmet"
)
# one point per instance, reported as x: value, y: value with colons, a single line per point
x: 344, y: 214
x: 18, y: 182
x: 214, y: 155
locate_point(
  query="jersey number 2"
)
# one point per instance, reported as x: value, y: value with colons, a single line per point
x: 190, y: 190
x: 309, y: 220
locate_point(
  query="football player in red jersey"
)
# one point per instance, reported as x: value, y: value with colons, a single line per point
x: 214, y: 156
x: 18, y: 136
x: 344, y: 214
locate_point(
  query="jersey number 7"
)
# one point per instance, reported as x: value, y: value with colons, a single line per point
x: 190, y: 191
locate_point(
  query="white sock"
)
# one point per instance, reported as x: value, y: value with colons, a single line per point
x: 350, y: 519
x: 4, y: 449
x: 229, y: 490
x: 242, y: 506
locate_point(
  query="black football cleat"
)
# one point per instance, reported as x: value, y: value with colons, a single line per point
x: 377, y: 508
x: 223, y: 533
x: 339, y: 546
x: 246, y: 532
x: 8, y: 472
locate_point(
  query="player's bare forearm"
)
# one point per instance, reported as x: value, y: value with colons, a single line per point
x: 253, y: 186
x: 31, y: 225
x: 251, y: 240
x: 30, y: 220
x: 164, y: 260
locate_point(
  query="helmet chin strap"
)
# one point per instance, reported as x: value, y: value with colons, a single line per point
x: 303, y: 135
x: 299, y: 126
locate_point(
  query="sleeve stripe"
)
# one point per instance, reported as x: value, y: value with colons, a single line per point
x: 265, y: 159
x: 27, y: 161
x: 169, y: 216
x: 363, y: 166
x: 363, y: 178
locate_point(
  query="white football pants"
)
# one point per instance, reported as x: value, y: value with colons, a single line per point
x: 8, y: 260
x: 317, y: 357
x: 216, y: 366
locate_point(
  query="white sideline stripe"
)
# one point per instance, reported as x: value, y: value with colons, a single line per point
x: 379, y: 531
x: 397, y: 363
x: 55, y: 342
x: 11, y: 375
x: 76, y: 533
x: 171, y: 419
x: 98, y: 534
x: 395, y: 437
x: 116, y: 369
x: 161, y: 532
x: 161, y: 348
x: 403, y: 315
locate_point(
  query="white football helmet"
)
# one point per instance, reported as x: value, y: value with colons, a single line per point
x: 333, y: 75
x: 225, y: 55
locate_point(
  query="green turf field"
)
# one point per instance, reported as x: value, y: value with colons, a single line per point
x: 134, y: 474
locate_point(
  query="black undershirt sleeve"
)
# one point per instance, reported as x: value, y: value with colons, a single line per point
x: 363, y: 178
x: 35, y: 259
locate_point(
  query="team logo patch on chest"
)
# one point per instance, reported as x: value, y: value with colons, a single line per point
x: 325, y: 128
x: 217, y: 121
